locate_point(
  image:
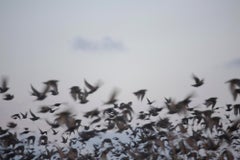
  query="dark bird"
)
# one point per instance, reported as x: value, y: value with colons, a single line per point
x: 83, y: 97
x: 140, y: 94
x: 34, y: 117
x: 16, y: 116
x: 52, y: 86
x: 234, y: 85
x: 40, y: 95
x: 8, y: 97
x: 11, y: 125
x: 211, y: 102
x: 112, y: 99
x: 4, y: 87
x: 54, y: 132
x: 42, y: 132
x: 45, y: 109
x: 75, y: 92
x: 229, y: 107
x: 198, y: 82
x: 150, y: 102
x: 92, y: 88
x: 92, y: 113
x: 24, y: 116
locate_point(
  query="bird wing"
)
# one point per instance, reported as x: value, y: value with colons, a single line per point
x: 89, y: 86
x: 4, y: 82
x: 196, y: 79
x: 35, y: 92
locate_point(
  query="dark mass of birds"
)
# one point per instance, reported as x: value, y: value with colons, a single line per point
x: 119, y: 131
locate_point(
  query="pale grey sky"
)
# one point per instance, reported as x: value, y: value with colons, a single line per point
x: 131, y: 45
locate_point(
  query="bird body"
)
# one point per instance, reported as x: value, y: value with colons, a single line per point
x: 140, y: 94
x: 198, y: 82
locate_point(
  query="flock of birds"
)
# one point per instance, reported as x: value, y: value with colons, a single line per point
x: 176, y: 130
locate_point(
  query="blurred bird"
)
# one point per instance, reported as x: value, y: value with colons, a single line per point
x: 149, y: 102
x: 198, y: 82
x: 92, y: 88
x: 112, y: 99
x: 211, y: 102
x: 3, y: 87
x: 8, y: 97
x: 92, y: 113
x: 75, y: 92
x: 234, y: 86
x: 11, y: 125
x: 24, y: 116
x: 34, y: 117
x: 52, y: 86
x: 40, y: 95
x: 140, y: 94
x: 16, y: 116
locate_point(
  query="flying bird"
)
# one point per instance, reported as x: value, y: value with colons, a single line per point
x: 40, y: 95
x: 92, y: 88
x: 149, y: 102
x: 211, y: 102
x: 8, y: 97
x: 4, y: 87
x: 52, y: 86
x: 198, y: 82
x: 112, y: 99
x: 234, y: 86
x: 140, y: 94
x: 34, y: 117
x: 75, y: 92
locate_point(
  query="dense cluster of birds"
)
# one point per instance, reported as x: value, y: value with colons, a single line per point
x: 175, y: 130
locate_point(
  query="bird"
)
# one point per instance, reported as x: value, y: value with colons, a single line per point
x: 92, y: 88
x: 8, y: 97
x: 11, y: 125
x: 211, y: 102
x: 34, y: 117
x: 52, y: 86
x: 16, y: 116
x: 112, y: 99
x: 24, y: 116
x: 75, y: 92
x: 40, y: 95
x: 140, y: 94
x: 229, y: 107
x: 4, y: 88
x: 198, y: 82
x: 234, y: 85
x: 149, y: 102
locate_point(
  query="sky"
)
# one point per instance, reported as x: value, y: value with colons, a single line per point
x: 130, y: 45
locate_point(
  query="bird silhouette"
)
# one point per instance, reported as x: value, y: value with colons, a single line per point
x: 198, y: 82
x: 40, y: 95
x: 75, y: 92
x: 140, y: 94
x: 52, y: 86
x: 211, y: 102
x: 4, y: 88
x: 149, y: 102
x: 112, y: 99
x: 8, y: 97
x: 234, y: 85
x: 34, y: 117
x: 92, y: 88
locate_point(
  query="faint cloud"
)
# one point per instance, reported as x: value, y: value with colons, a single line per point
x: 235, y: 63
x: 104, y: 44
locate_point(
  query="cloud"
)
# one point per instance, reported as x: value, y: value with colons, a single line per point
x: 104, y: 44
x: 235, y: 63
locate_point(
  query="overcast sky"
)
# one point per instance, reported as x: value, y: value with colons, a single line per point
x: 131, y: 45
